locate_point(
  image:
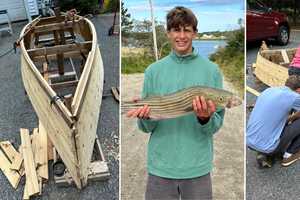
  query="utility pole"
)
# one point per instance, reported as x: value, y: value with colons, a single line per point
x: 153, y: 30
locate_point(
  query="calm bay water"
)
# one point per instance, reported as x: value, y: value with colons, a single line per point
x: 207, y: 47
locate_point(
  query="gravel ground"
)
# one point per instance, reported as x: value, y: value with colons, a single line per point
x: 277, y: 182
x: 228, y: 172
x: 16, y: 112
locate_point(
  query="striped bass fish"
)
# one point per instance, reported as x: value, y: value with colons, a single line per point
x: 180, y: 103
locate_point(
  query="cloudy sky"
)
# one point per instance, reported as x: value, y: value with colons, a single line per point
x: 212, y: 15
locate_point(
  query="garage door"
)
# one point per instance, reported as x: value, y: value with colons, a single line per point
x: 16, y: 9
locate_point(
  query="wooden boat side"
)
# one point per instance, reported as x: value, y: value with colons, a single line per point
x: 270, y: 73
x: 58, y: 130
x: 267, y: 67
x: 87, y: 118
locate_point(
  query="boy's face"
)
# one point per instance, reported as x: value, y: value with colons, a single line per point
x: 181, y: 39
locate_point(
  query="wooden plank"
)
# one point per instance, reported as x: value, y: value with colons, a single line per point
x: 13, y: 155
x: 25, y: 193
x: 60, y: 26
x: 69, y: 54
x: 45, y: 70
x: 56, y: 75
x: 51, y: 39
x: 253, y: 91
x: 50, y: 20
x: 115, y: 93
x: 22, y: 169
x: 285, y: 56
x: 60, y: 56
x: 12, y: 175
x: 64, y: 84
x: 29, y: 164
x: 59, y: 49
x: 42, y: 158
x: 49, y: 149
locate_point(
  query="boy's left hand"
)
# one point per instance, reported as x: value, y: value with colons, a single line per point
x: 202, y: 108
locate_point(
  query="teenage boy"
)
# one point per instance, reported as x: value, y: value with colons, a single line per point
x: 180, y: 150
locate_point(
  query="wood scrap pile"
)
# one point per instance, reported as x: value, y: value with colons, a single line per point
x: 31, y: 160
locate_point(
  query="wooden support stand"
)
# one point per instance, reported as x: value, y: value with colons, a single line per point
x: 98, y: 169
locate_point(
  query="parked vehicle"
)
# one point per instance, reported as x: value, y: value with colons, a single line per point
x: 263, y: 23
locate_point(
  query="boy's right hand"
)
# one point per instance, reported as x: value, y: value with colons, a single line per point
x: 142, y: 112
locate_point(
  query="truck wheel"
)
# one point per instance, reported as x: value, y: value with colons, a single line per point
x: 283, y: 35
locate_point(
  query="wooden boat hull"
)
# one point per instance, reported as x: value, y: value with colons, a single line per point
x: 71, y: 130
x: 271, y: 66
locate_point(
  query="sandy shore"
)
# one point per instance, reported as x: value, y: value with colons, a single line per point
x: 228, y: 172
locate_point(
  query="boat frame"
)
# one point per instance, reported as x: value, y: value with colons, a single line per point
x: 271, y: 66
x: 70, y: 123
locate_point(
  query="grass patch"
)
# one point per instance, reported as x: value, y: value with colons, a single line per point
x: 232, y: 68
x: 136, y: 63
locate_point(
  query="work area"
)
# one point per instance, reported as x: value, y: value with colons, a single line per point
x: 18, y: 112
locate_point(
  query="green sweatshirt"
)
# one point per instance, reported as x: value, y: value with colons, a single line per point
x: 181, y: 147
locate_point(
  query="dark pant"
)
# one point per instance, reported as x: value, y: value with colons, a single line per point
x: 294, y: 71
x: 289, y: 139
x: 159, y: 188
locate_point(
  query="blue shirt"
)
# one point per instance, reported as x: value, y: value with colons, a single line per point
x: 269, y: 117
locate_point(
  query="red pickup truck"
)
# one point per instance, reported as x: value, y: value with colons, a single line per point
x: 263, y: 23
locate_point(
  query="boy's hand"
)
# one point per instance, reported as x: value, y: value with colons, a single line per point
x: 202, y: 108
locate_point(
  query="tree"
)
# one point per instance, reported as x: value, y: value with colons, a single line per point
x: 126, y: 23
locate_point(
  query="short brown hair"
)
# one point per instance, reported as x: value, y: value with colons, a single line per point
x: 293, y: 82
x: 181, y: 16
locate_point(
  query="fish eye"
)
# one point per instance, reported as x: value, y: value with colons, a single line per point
x: 221, y: 98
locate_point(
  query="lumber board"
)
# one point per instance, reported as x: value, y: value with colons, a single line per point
x: 70, y: 54
x: 86, y: 125
x: 49, y: 149
x: 50, y: 20
x: 60, y: 26
x: 45, y: 70
x: 42, y: 158
x: 60, y: 56
x: 59, y: 132
x: 25, y: 193
x: 115, y: 93
x: 285, y: 56
x: 252, y: 91
x: 13, y: 155
x: 59, y: 49
x: 29, y: 164
x: 64, y: 84
x: 12, y: 175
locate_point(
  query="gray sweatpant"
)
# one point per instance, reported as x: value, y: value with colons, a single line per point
x: 159, y: 188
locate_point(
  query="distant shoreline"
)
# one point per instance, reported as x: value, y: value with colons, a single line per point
x: 211, y: 39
